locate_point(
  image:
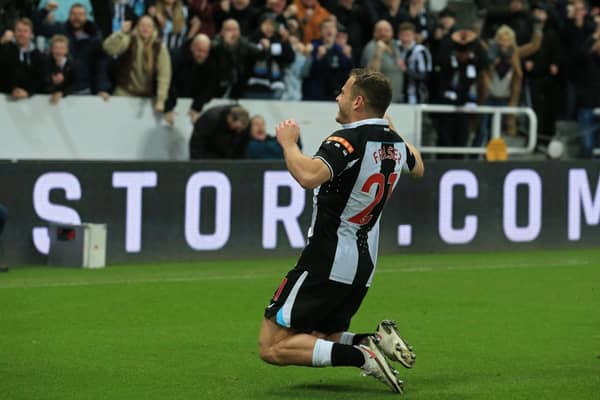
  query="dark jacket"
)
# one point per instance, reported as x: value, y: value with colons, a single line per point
x: 104, y: 13
x: 455, y: 81
x: 235, y: 64
x: 327, y: 75
x: 25, y: 70
x: 356, y: 21
x: 267, y: 149
x: 268, y: 70
x: 548, y: 54
x: 587, y: 82
x: 247, y: 18
x: 191, y: 79
x: 89, y: 60
x: 69, y: 74
x: 213, y: 139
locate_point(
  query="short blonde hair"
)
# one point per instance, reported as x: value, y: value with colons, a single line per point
x: 505, y: 30
x: 59, y: 39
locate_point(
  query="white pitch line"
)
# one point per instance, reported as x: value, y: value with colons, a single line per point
x: 26, y: 285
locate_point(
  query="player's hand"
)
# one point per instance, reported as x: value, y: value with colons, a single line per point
x: 287, y: 132
x: 159, y: 107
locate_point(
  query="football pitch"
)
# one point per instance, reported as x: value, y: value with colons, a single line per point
x: 523, y: 325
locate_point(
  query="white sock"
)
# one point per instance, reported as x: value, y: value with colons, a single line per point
x: 347, y: 338
x: 322, y: 353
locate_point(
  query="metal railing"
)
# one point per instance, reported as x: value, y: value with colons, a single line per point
x: 496, y: 132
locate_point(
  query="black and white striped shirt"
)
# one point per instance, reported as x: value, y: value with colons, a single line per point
x: 418, y: 67
x: 366, y: 159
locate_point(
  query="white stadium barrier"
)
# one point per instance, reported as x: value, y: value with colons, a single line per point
x: 125, y: 128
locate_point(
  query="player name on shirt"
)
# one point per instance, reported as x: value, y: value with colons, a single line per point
x: 389, y: 153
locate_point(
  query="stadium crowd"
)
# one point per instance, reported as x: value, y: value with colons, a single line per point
x: 543, y: 54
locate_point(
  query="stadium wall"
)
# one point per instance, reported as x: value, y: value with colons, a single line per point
x: 244, y: 209
x: 127, y: 128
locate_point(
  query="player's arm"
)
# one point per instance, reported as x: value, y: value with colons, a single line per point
x: 414, y: 163
x: 309, y: 172
x: 418, y: 168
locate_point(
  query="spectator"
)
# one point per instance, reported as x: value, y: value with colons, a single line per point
x: 588, y: 93
x: 515, y: 15
x: 85, y: 48
x: 506, y: 76
x: 109, y: 15
x: 311, y: 15
x: 11, y: 10
x: 196, y: 75
x: 381, y: 54
x: 266, y: 78
x: 203, y: 12
x: 170, y: 17
x: 330, y: 65
x: 579, y: 26
x: 461, y: 78
x: 542, y: 74
x: 220, y: 132
x: 143, y: 65
x: 236, y: 56
x: 389, y: 10
x: 277, y: 7
x: 22, y: 66
x: 242, y: 11
x: 3, y: 218
x: 57, y: 11
x: 415, y: 62
x: 261, y: 145
x: 421, y: 19
x: 445, y: 27
x: 60, y: 75
x: 300, y: 68
x: 354, y: 17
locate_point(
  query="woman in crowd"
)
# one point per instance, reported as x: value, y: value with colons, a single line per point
x: 143, y: 65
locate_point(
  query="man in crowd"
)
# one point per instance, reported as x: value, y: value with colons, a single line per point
x: 85, y: 48
x: 381, y: 54
x: 220, y: 132
x: 261, y: 144
x: 22, y: 66
x: 331, y: 63
x: 415, y: 62
x: 236, y: 56
x: 196, y: 75
x: 460, y: 79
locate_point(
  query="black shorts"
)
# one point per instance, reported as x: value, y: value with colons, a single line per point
x: 307, y: 303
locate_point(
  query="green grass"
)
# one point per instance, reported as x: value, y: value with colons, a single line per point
x: 484, y: 326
